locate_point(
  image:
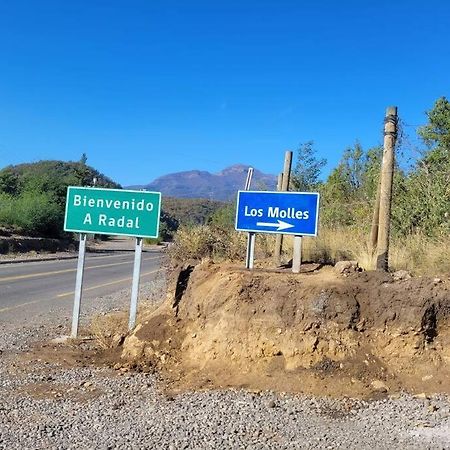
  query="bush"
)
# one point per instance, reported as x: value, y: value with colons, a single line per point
x: 32, y: 213
x: 208, y: 241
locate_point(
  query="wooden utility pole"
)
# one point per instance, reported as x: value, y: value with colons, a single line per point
x: 280, y: 181
x: 375, y: 219
x: 387, y: 176
x: 283, y: 185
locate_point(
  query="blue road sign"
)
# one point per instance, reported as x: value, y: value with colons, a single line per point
x: 278, y: 212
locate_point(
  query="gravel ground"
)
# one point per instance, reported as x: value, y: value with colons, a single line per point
x: 44, y: 406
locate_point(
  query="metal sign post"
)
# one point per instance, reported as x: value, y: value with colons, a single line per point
x: 250, y: 251
x: 250, y: 256
x: 111, y: 212
x: 78, y: 286
x: 135, y: 285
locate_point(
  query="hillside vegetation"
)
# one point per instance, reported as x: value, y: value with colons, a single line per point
x: 420, y: 226
x: 33, y: 196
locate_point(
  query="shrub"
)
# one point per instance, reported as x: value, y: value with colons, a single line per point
x: 33, y: 213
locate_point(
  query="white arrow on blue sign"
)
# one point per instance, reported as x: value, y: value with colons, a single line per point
x: 278, y: 212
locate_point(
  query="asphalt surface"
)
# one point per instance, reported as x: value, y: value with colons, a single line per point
x: 32, y: 288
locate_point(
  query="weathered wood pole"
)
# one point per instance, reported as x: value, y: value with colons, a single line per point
x: 297, y: 256
x: 387, y: 176
x: 373, y: 241
x: 286, y: 176
x: 280, y: 181
x: 278, y: 237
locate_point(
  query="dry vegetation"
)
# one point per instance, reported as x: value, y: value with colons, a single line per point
x: 416, y: 253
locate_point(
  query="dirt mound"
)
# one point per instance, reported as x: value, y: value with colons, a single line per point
x: 318, y: 332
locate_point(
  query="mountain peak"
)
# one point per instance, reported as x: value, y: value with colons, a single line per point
x: 201, y: 184
x: 235, y: 168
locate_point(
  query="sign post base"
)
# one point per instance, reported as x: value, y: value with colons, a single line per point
x: 297, y: 257
x: 250, y: 251
x: 78, y: 286
x: 135, y: 285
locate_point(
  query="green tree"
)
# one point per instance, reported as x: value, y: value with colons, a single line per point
x: 82, y: 172
x: 306, y: 173
x: 427, y: 189
x: 436, y: 133
x: 9, y: 182
x: 83, y: 159
x: 421, y: 197
x: 33, y: 196
x: 349, y: 191
x: 224, y: 217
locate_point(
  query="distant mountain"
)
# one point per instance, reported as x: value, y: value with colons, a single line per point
x: 214, y: 186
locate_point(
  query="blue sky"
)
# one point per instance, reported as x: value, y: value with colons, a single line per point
x: 145, y: 88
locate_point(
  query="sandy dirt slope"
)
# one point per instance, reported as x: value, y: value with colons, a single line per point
x: 320, y: 332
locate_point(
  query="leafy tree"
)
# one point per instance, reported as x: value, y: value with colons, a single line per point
x: 9, y: 182
x: 426, y: 200
x: 306, y: 173
x: 224, y: 217
x: 33, y: 196
x: 82, y: 172
x: 436, y: 133
x: 168, y: 226
x: 31, y: 213
x: 190, y: 211
x: 349, y: 191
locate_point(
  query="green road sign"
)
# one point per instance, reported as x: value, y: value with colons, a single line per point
x: 112, y: 211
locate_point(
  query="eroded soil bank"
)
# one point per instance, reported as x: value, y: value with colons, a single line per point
x: 318, y: 332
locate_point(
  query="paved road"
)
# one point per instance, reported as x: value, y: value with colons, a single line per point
x: 33, y: 288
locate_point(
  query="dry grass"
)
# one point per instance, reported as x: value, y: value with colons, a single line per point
x: 109, y: 329
x: 416, y: 253
x: 104, y: 328
x: 419, y: 254
x: 212, y: 242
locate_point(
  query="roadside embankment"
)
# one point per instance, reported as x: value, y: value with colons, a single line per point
x: 22, y: 244
x: 321, y: 332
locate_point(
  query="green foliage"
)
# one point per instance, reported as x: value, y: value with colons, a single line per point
x: 348, y: 194
x: 420, y: 207
x: 9, y: 182
x: 423, y: 202
x: 224, y: 217
x: 168, y: 225
x: 32, y: 196
x: 190, y: 211
x: 421, y: 196
x: 305, y: 176
x: 184, y: 212
x: 436, y: 134
x: 33, y: 213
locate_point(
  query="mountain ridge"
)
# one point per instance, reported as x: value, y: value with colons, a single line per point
x: 222, y: 185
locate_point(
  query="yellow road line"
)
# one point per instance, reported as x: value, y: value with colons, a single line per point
x: 55, y: 272
x: 10, y: 308
x: 107, y: 284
